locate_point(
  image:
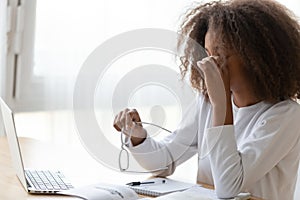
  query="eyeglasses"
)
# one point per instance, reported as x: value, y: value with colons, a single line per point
x: 124, y: 152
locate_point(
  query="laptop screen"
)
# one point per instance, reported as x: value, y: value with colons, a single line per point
x: 13, y: 142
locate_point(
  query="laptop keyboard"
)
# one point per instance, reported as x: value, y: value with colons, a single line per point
x: 48, y: 180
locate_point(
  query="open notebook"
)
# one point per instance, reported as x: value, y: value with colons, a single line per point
x: 161, y: 186
x: 168, y: 189
x: 104, y: 191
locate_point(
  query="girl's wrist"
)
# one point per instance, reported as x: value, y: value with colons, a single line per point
x: 140, y: 139
x: 222, y: 114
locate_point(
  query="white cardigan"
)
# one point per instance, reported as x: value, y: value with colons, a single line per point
x: 258, y: 154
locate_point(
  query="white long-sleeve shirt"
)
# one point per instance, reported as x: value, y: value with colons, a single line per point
x: 258, y: 154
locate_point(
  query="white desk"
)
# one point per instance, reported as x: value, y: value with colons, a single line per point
x: 77, y: 164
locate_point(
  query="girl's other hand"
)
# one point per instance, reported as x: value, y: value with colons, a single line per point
x: 217, y: 82
x: 216, y: 79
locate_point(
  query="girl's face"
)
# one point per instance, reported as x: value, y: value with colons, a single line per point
x: 232, y: 61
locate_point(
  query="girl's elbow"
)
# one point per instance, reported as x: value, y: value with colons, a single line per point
x: 224, y: 193
x: 229, y: 189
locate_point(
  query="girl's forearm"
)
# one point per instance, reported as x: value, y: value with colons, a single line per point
x: 222, y: 115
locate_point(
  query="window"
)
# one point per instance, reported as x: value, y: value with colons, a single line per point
x: 55, y: 37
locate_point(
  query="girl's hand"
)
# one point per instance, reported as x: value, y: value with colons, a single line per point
x: 217, y: 82
x: 125, y: 122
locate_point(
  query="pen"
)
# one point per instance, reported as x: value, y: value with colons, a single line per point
x: 141, y: 183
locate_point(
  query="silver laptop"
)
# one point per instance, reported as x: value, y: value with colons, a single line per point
x: 34, y: 181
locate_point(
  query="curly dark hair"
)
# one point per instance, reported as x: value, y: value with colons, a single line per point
x: 264, y: 34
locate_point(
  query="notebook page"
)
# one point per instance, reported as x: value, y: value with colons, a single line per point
x: 102, y: 191
x: 161, y: 186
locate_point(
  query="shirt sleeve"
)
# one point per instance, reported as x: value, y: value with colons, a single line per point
x: 271, y: 139
x: 172, y: 150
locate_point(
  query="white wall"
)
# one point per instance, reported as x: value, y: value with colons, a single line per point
x: 3, y: 45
